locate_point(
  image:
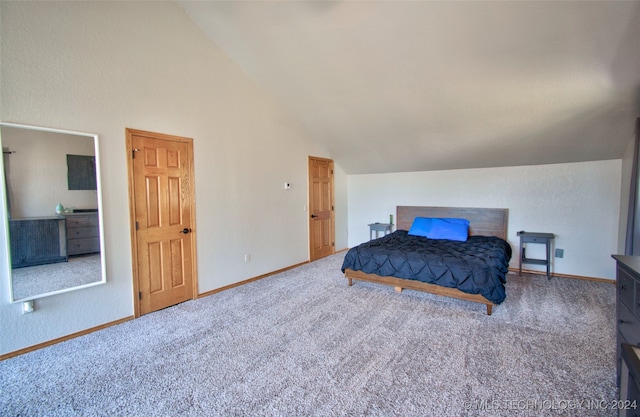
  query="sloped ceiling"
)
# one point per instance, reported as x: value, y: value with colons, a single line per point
x: 397, y: 86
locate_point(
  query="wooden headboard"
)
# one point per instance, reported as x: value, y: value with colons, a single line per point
x: 482, y: 221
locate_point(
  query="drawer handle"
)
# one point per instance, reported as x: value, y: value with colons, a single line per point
x: 620, y: 321
x: 622, y: 287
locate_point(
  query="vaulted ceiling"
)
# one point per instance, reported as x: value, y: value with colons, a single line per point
x: 392, y: 86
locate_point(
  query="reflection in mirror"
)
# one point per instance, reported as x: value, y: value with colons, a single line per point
x: 53, y: 202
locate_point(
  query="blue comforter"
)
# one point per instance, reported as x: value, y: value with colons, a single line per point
x: 477, y: 266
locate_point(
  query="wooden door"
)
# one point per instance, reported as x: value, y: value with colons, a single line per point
x: 162, y: 199
x: 321, y: 208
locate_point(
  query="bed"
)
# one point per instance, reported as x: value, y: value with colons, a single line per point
x: 472, y: 270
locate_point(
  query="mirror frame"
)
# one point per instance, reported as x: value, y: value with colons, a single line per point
x: 5, y: 220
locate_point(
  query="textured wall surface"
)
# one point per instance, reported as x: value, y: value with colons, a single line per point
x: 102, y: 67
x: 578, y: 202
x: 462, y: 84
x: 37, y: 171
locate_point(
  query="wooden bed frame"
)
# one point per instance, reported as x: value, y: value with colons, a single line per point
x: 482, y: 221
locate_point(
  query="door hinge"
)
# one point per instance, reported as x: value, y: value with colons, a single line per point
x: 136, y: 225
x: 133, y: 153
x: 333, y: 243
x: 139, y: 295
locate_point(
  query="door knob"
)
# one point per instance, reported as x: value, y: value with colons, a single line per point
x: 185, y: 230
x: 313, y: 216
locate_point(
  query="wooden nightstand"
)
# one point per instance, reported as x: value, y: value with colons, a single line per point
x: 379, y: 227
x: 543, y: 238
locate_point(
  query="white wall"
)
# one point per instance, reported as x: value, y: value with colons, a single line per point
x: 578, y: 202
x: 100, y: 67
x: 625, y: 189
x: 37, y: 171
x: 341, y: 207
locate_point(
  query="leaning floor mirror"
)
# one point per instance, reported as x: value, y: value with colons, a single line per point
x: 53, y: 205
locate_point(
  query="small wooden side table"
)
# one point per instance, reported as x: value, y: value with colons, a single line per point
x: 379, y: 227
x: 543, y: 238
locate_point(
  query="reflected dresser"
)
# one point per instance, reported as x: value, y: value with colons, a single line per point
x: 37, y: 241
x: 83, y: 233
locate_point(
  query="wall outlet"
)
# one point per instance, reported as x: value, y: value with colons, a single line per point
x: 27, y: 307
x: 559, y: 253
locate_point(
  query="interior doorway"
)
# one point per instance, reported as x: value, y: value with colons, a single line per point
x: 321, y: 208
x: 161, y: 201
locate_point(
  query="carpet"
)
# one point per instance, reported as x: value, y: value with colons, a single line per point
x: 41, y: 279
x: 303, y: 343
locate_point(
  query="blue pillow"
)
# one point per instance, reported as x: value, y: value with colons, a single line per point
x: 420, y: 226
x: 451, y: 229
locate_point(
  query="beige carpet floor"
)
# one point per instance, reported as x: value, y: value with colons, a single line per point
x: 303, y: 343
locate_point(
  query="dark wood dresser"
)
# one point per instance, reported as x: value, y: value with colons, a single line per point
x: 83, y: 233
x: 627, y: 304
x: 629, y: 404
